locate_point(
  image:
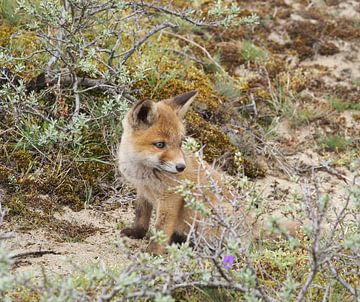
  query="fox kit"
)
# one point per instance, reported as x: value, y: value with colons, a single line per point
x: 150, y: 157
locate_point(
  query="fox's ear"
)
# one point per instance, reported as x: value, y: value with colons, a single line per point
x: 181, y: 103
x: 143, y: 114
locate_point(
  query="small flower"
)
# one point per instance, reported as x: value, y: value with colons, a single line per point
x: 228, y: 261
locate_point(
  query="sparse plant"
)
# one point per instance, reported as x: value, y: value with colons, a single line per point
x: 252, y: 53
x: 342, y: 105
x: 337, y: 104
x: 227, y: 88
x: 299, y: 115
x: 8, y: 12
x: 334, y: 143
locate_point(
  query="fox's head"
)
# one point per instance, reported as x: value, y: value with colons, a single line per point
x: 154, y: 131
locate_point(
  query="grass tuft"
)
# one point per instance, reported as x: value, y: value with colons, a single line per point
x: 252, y: 53
x: 335, y: 143
x: 342, y: 105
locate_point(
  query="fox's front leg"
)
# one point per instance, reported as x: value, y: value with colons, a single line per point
x: 142, y: 220
x: 167, y: 215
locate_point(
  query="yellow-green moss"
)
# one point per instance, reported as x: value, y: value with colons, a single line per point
x: 194, y: 80
x: 5, y: 32
x: 16, y: 206
x: 217, y: 144
x: 5, y: 174
x: 22, y: 159
x: 173, y: 76
x: 24, y: 294
x: 92, y: 171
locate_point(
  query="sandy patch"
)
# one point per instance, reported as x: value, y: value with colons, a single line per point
x: 65, y: 256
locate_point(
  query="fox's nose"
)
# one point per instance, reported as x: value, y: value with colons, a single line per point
x: 180, y: 167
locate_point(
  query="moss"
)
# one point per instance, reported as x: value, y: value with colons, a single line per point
x: 328, y: 49
x: 230, y: 54
x: 24, y: 294
x: 25, y: 43
x: 5, y: 174
x: 22, y: 44
x: 298, y: 81
x: 343, y: 29
x: 93, y: 171
x: 5, y: 33
x: 63, y: 188
x: 38, y: 187
x: 304, y: 35
x: 17, y: 206
x: 23, y: 159
x: 275, y: 65
x: 96, y: 149
x: 218, y: 144
x: 31, y: 211
x: 165, y: 83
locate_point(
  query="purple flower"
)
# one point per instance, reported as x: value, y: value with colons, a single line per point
x: 228, y: 261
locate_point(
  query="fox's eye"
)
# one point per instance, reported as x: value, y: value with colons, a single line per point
x: 159, y: 145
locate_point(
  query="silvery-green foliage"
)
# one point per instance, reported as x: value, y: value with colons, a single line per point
x: 158, y: 236
x: 354, y: 192
x: 190, y: 144
x: 247, y: 276
x: 49, y: 135
x: 274, y: 225
x: 186, y: 189
x: 77, y: 125
x: 5, y: 263
x: 85, y: 65
x: 230, y: 13
x: 289, y: 289
x: 248, y: 297
x: 352, y: 241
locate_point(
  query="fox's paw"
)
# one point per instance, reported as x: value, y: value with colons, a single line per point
x: 155, y: 248
x: 178, y: 238
x: 136, y: 233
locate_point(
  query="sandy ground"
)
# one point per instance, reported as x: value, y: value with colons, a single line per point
x: 60, y: 257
